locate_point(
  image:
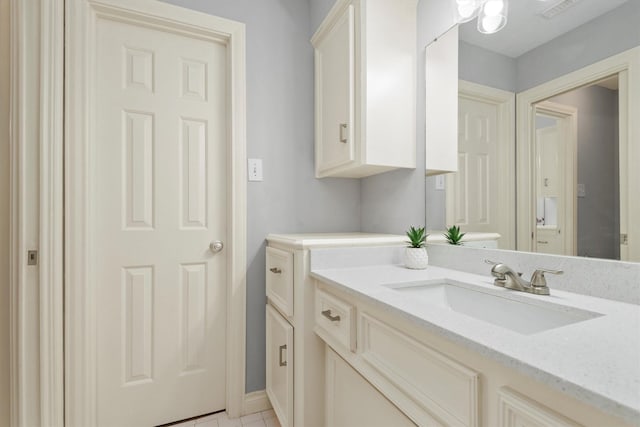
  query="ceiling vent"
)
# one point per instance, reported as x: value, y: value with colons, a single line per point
x: 558, y: 8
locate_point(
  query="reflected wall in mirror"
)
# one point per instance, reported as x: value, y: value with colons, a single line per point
x: 564, y: 191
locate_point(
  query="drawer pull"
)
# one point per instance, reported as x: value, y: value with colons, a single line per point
x: 275, y: 270
x: 343, y: 132
x: 282, y: 347
x: 543, y: 242
x: 327, y: 314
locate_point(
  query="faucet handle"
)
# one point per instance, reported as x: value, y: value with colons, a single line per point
x: 496, y: 270
x: 538, y: 280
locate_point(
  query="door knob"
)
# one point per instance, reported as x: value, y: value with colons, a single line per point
x: 216, y: 246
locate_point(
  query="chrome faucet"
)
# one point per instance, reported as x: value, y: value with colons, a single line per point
x: 507, y: 278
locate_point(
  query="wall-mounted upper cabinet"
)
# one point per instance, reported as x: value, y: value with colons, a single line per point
x: 365, y: 88
x: 441, y: 76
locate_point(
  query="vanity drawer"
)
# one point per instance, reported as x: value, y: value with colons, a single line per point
x: 446, y: 392
x: 335, y: 320
x: 279, y: 279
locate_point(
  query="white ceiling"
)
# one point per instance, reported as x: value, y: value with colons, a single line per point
x: 526, y: 29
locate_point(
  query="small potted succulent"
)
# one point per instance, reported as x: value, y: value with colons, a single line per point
x: 454, y: 236
x: 415, y: 255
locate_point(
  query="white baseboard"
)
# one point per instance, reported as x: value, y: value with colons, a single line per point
x: 256, y: 401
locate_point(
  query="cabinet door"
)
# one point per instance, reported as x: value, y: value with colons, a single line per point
x: 516, y: 410
x: 279, y: 279
x: 353, y: 402
x: 280, y: 366
x: 441, y: 77
x: 335, y: 74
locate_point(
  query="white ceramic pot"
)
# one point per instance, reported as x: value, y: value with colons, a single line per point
x: 416, y: 258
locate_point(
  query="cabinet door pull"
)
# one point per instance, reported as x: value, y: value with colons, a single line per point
x: 343, y: 132
x: 282, y: 347
x: 275, y: 270
x: 327, y: 314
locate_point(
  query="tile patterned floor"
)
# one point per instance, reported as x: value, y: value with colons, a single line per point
x: 260, y: 419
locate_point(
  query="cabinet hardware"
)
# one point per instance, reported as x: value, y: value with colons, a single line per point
x: 343, y: 132
x: 282, y: 347
x: 544, y: 242
x: 275, y: 270
x: 327, y: 314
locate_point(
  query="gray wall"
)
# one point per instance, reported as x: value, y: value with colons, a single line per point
x: 485, y: 67
x: 4, y: 212
x: 598, y: 211
x: 280, y: 131
x: 318, y: 10
x: 611, y: 33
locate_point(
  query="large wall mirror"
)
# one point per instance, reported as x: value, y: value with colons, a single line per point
x: 548, y: 133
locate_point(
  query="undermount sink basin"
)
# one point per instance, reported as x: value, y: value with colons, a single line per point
x: 494, y: 307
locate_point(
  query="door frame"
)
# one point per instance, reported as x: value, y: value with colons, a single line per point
x: 505, y: 103
x: 627, y: 66
x: 36, y: 312
x: 45, y: 388
x: 570, y: 114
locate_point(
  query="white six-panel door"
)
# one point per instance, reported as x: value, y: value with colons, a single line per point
x: 480, y: 195
x: 473, y: 202
x: 159, y: 201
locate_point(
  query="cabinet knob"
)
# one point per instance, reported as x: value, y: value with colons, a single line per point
x: 275, y: 270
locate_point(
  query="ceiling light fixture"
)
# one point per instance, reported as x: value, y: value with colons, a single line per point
x: 491, y: 14
x: 466, y: 10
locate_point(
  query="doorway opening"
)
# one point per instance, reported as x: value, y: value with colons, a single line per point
x: 617, y: 77
x: 577, y: 185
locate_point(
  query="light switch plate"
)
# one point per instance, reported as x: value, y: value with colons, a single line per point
x: 582, y: 192
x: 255, y: 170
x: 439, y: 182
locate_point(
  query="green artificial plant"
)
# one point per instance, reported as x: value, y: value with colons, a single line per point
x: 453, y: 235
x: 417, y: 237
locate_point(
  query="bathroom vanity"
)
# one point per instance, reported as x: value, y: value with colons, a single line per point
x: 294, y: 353
x: 444, y: 346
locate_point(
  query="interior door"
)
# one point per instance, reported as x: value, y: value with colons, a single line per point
x: 555, y: 179
x: 472, y: 196
x: 159, y: 201
x: 550, y: 189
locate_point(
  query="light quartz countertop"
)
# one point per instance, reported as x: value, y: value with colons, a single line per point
x: 597, y: 361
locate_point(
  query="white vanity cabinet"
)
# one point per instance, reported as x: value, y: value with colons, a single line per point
x: 352, y: 401
x: 294, y: 353
x: 365, y: 67
x: 429, y: 379
x: 429, y: 387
